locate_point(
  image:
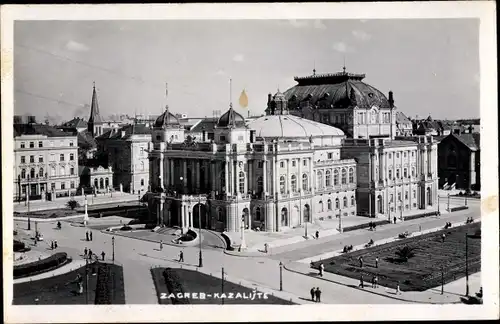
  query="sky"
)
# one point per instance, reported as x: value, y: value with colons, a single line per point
x: 431, y: 65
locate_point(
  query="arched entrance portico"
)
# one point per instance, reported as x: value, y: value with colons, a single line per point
x: 284, y: 217
x: 197, y: 209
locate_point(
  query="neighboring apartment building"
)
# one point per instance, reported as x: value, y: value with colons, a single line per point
x: 404, y: 126
x: 126, y: 150
x: 46, y: 161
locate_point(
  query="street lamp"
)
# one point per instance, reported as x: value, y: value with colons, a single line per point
x: 438, y: 205
x: 199, y: 214
x: 281, y: 276
x: 466, y: 265
x: 181, y: 186
x: 243, y: 244
x: 340, y: 221
x: 448, y: 202
x: 442, y: 280
x: 113, y: 245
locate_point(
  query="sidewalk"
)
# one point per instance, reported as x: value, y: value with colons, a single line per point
x: 73, y: 265
x: 431, y: 296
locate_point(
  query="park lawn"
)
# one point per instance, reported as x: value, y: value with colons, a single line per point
x: 48, y: 214
x: 194, y: 281
x: 421, y: 272
x: 58, y: 290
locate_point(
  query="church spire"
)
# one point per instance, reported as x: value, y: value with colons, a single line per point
x: 95, y: 116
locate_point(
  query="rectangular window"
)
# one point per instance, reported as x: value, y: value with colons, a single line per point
x: 61, y: 157
x: 72, y: 185
x: 406, y: 195
x: 71, y: 143
x: 399, y: 196
x: 222, y: 138
x: 63, y: 185
x: 23, y: 190
x: 23, y: 145
x: 142, y: 182
x: 158, y: 137
x: 211, y: 136
x: 282, y: 164
x: 260, y: 164
x: 40, y: 144
x: 304, y: 162
x: 23, y: 159
x: 32, y: 144
x: 142, y: 151
x: 293, y: 163
x: 330, y: 156
x: 72, y: 171
x: 71, y: 157
x: 40, y: 159
x: 32, y: 159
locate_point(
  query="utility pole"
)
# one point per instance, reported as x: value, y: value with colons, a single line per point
x: 466, y: 264
x: 113, y: 245
x: 442, y: 280
x: 222, y: 285
x: 199, y: 214
x: 281, y: 276
x: 448, y: 203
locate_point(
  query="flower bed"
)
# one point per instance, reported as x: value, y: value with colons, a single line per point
x: 364, y: 225
x: 44, y: 265
x: 174, y: 286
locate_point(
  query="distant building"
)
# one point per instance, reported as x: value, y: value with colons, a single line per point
x: 95, y: 123
x: 126, y: 150
x: 99, y: 178
x: 76, y: 124
x: 459, y: 162
x: 204, y: 130
x: 46, y: 161
x: 433, y: 127
x: 404, y: 125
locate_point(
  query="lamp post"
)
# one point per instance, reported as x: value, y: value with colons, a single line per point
x: 438, y: 205
x: 86, y: 216
x: 466, y: 265
x: 448, y: 203
x: 442, y: 280
x: 401, y: 216
x: 243, y: 244
x: 340, y: 221
x: 86, y: 280
x: 113, y: 246
x: 199, y: 214
x: 281, y: 276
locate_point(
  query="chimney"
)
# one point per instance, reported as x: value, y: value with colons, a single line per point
x: 203, y: 135
x: 391, y: 99
x: 252, y: 136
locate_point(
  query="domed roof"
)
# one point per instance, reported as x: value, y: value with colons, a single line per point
x: 290, y: 126
x: 231, y: 119
x: 338, y: 90
x: 167, y: 118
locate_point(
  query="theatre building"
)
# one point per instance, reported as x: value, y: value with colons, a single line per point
x: 276, y: 172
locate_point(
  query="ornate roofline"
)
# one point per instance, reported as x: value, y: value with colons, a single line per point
x: 339, y: 76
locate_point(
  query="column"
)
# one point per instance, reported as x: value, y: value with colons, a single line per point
x: 312, y: 176
x: 264, y: 175
x: 288, y: 188
x: 167, y: 173
x: 184, y: 173
x: 161, y: 170
x: 275, y: 174
x: 250, y: 178
x: 385, y: 169
x: 299, y: 180
x: 226, y: 176
x: 183, y: 218
x: 235, y: 178
x: 198, y: 171
x: 269, y: 217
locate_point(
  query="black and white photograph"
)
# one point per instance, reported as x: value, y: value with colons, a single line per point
x: 292, y: 158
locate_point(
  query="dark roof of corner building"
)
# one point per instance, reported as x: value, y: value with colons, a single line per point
x: 129, y: 130
x: 207, y: 125
x: 76, y: 122
x: 39, y: 129
x: 472, y: 141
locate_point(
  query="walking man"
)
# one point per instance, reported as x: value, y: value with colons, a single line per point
x: 161, y: 245
x: 376, y: 282
x: 91, y: 236
x: 90, y: 254
x: 85, y: 252
x: 313, y: 293
x: 55, y: 244
x: 361, y: 262
x: 321, y: 269
x: 318, y: 295
x: 361, y: 282
x: 181, y: 256
x: 317, y: 234
x: 376, y: 262
x: 443, y: 237
x: 394, y: 219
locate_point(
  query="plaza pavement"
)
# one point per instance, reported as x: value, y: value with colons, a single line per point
x: 138, y: 256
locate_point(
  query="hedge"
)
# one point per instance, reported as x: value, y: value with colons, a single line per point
x: 104, y: 289
x: 420, y: 215
x: 365, y: 225
x: 32, y: 268
x: 174, y: 287
x: 20, y: 246
x: 454, y: 209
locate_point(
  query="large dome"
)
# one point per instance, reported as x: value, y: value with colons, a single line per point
x: 231, y: 119
x: 166, y: 119
x: 289, y: 126
x: 337, y: 90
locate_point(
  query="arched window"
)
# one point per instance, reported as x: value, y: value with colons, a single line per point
x: 242, y: 182
x: 335, y: 177
x: 345, y: 202
x: 260, y: 185
x: 40, y: 172
x: 62, y: 171
x: 106, y: 181
x: 413, y: 172
x: 32, y: 173
x: 380, y: 203
x: 397, y: 173
x: 320, y: 206
x: 390, y: 174
x: 405, y: 173
x: 23, y: 173
x: 337, y: 203
x: 304, y: 182
x: 329, y: 204
x: 282, y: 184
x: 294, y: 183
x: 344, y: 176
x: 53, y: 171
x: 353, y: 201
x: 351, y: 175
x: 328, y: 176
x: 142, y: 165
x: 257, y: 214
x: 319, y: 177
x: 101, y: 183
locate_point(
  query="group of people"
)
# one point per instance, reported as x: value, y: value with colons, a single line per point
x: 373, y: 226
x: 469, y: 220
x: 181, y: 254
x: 370, y: 243
x: 448, y: 225
x: 347, y: 248
x: 316, y: 294
x: 374, y: 282
x: 53, y: 244
x: 87, y: 253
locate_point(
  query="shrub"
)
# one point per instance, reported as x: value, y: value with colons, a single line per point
x: 19, y: 246
x: 72, y: 204
x: 150, y: 226
x: 126, y: 228
x: 174, y: 286
x: 405, y: 253
x: 52, y: 262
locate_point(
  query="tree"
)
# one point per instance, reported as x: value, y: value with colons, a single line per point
x: 405, y: 253
x: 72, y: 204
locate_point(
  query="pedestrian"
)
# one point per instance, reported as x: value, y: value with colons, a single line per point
x: 55, y: 244
x: 318, y: 295
x: 398, y: 291
x: 103, y: 254
x: 85, y: 252
x: 90, y: 254
x: 373, y: 282
x: 376, y: 262
x: 361, y: 282
x: 376, y: 282
x: 443, y: 237
x: 181, y: 256
x: 87, y: 235
x: 52, y: 245
x: 313, y: 293
x: 321, y: 269
x: 161, y: 245
x: 91, y: 235
x: 394, y: 219
x: 317, y: 234
x: 361, y: 262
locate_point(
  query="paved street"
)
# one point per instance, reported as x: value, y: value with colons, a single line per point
x: 137, y: 256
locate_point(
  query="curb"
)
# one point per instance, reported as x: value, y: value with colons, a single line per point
x: 243, y: 254
x: 45, y: 220
x: 370, y: 291
x: 142, y: 239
